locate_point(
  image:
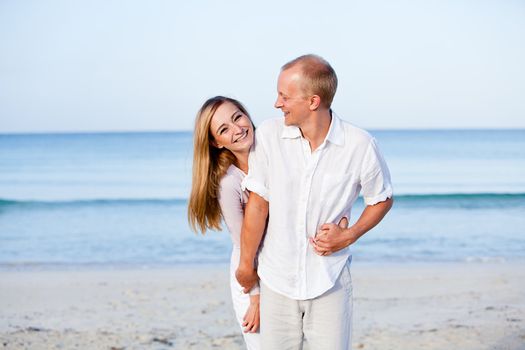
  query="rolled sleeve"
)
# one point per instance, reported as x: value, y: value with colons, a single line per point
x: 255, y: 290
x: 375, y: 180
x: 257, y: 178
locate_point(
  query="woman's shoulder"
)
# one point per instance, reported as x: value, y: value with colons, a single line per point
x: 232, y: 179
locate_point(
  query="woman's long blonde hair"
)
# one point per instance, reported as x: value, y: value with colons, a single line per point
x: 209, y: 166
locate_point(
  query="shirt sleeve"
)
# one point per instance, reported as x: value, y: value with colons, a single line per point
x: 375, y: 176
x: 257, y: 178
x: 255, y: 289
x: 230, y: 200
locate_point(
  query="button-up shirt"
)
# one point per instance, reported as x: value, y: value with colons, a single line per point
x: 305, y: 190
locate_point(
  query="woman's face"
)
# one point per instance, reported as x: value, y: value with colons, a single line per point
x: 231, y: 129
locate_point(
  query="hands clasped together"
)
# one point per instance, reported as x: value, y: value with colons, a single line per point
x: 331, y: 238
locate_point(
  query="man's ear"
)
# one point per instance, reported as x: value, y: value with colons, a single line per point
x: 315, y: 102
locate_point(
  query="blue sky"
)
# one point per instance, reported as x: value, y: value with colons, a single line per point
x: 149, y: 65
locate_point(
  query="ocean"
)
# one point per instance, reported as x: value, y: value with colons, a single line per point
x: 120, y: 199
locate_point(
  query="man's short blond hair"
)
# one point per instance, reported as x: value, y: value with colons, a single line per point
x: 319, y: 77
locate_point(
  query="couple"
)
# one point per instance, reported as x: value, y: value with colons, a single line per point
x: 281, y: 194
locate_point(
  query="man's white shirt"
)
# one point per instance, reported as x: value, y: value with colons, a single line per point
x: 305, y: 190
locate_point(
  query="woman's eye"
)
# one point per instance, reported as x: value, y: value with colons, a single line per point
x: 237, y: 117
x: 222, y: 131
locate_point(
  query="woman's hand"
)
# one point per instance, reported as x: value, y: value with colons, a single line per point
x: 251, y: 318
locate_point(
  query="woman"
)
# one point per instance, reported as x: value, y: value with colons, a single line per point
x: 223, y: 136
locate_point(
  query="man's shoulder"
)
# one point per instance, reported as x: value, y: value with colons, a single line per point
x: 355, y: 133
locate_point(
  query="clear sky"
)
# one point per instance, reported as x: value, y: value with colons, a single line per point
x: 103, y: 65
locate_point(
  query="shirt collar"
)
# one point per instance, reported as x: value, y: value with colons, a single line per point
x: 335, y: 132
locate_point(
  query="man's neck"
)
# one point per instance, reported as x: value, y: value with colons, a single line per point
x: 316, y: 128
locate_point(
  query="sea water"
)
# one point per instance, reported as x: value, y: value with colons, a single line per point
x: 120, y: 199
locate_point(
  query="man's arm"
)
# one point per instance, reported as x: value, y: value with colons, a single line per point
x: 331, y: 237
x: 253, y: 226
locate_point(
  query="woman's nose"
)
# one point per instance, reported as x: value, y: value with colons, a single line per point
x: 237, y: 129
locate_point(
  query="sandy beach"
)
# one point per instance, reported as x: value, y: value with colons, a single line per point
x: 400, y: 306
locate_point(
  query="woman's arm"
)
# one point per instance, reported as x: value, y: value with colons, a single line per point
x: 230, y: 201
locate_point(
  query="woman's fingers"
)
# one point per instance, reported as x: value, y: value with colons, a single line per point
x: 251, y: 319
x: 251, y: 327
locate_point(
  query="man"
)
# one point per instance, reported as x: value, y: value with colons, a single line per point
x: 306, y: 171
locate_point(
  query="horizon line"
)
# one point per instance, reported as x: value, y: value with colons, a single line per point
x: 156, y: 131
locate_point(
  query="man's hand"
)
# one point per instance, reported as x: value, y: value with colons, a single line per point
x: 247, y: 277
x: 331, y: 237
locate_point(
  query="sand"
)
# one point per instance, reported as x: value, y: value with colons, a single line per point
x: 397, y: 306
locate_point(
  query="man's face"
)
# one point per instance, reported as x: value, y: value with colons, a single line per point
x: 290, y: 97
